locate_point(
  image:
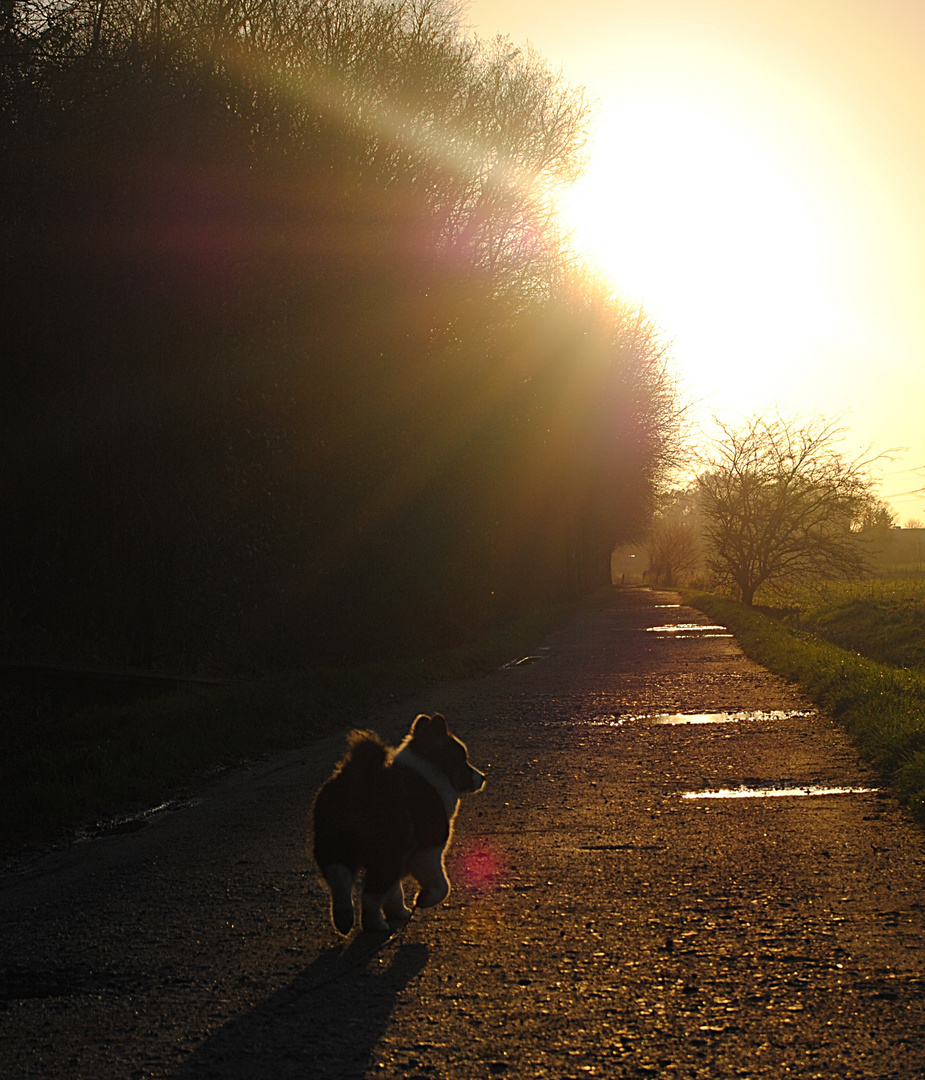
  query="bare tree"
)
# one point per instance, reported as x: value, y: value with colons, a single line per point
x: 781, y: 504
x: 675, y: 544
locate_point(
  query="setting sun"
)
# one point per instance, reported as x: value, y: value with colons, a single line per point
x: 755, y: 181
x: 687, y: 212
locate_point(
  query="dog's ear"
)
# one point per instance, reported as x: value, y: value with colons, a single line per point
x: 429, y: 726
x: 420, y: 724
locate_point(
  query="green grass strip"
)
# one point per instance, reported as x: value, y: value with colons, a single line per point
x: 882, y: 707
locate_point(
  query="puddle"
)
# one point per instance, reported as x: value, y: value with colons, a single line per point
x: 772, y: 792
x: 682, y: 630
x: 681, y: 719
x: 667, y: 605
x: 130, y: 823
x: 673, y: 719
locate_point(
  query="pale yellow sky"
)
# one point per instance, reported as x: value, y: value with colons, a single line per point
x: 757, y: 178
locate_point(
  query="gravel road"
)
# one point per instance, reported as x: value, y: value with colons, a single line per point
x: 602, y: 923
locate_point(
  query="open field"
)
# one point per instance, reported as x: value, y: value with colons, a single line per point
x: 881, y: 704
x: 883, y: 619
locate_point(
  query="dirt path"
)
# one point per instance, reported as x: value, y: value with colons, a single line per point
x: 601, y: 924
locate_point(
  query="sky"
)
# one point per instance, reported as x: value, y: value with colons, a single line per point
x: 756, y: 178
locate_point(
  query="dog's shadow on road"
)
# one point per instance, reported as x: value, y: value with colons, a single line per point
x: 326, y: 1022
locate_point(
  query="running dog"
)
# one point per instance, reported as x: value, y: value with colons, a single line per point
x: 389, y: 812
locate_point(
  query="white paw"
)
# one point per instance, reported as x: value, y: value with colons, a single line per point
x: 433, y: 894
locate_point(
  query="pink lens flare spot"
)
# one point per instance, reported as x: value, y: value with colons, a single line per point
x: 479, y: 866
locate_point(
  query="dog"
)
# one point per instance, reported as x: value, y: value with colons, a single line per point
x: 389, y: 813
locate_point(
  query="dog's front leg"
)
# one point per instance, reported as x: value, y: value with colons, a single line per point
x: 373, y: 920
x: 427, y: 868
x: 394, y: 905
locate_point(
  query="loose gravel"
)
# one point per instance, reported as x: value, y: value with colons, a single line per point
x: 601, y: 923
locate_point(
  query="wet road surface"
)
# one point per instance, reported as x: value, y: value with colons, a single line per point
x: 615, y: 911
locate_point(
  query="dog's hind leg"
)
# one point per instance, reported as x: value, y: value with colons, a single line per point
x: 393, y: 906
x: 340, y: 879
x: 427, y: 867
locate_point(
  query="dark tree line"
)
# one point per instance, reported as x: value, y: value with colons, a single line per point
x: 295, y: 363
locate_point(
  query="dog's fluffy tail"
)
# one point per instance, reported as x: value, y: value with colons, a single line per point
x: 368, y: 753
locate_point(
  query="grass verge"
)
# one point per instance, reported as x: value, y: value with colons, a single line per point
x: 61, y: 768
x: 882, y: 707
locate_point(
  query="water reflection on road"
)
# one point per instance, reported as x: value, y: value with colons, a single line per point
x: 680, y: 719
x: 761, y: 791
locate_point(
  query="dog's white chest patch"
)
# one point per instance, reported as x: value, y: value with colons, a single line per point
x: 437, y: 779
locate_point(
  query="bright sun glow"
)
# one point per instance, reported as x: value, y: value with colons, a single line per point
x: 685, y: 210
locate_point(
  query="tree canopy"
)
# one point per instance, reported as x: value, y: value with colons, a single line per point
x: 297, y: 361
x: 780, y: 503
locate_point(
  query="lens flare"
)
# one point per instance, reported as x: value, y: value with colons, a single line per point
x: 479, y: 866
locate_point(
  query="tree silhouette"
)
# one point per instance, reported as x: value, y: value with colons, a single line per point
x: 297, y: 361
x: 781, y: 504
